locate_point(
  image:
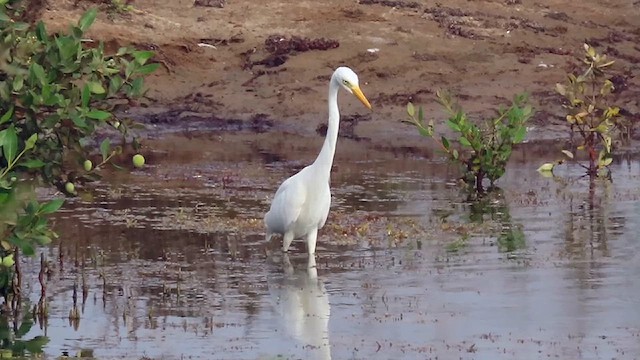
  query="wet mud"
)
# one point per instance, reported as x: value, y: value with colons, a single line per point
x: 275, y: 58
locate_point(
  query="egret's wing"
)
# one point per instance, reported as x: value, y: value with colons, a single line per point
x: 288, y: 202
x: 326, y: 205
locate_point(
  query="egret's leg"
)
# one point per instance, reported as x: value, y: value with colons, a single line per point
x: 312, y: 236
x: 312, y: 270
x: 286, y: 241
x: 268, y: 237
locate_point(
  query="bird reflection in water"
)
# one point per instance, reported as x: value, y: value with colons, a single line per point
x: 303, y: 305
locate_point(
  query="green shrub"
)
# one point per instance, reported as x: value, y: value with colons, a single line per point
x: 56, y: 90
x: 482, y: 152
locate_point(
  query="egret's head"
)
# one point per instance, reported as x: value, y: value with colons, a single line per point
x: 349, y: 81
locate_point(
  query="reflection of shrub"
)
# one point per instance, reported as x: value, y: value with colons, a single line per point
x: 591, y: 116
x: 12, y: 342
x: 488, y: 216
x: 511, y: 236
x: 55, y: 92
x: 483, y: 152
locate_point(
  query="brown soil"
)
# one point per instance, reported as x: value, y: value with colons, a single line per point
x: 274, y: 57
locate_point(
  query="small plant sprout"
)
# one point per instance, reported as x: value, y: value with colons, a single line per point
x: 591, y: 116
x: 482, y: 151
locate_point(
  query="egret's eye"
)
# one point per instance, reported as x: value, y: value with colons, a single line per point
x: 345, y: 82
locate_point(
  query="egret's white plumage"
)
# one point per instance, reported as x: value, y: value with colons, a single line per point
x: 301, y: 204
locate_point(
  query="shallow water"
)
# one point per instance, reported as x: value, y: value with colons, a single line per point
x: 549, y: 269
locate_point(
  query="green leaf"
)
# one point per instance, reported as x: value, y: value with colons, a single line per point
x: 76, y: 32
x: 36, y: 345
x: 32, y: 163
x: 41, y: 32
x: 464, y: 141
x: 4, y: 17
x: 115, y: 83
x: 148, y: 69
x: 98, y: 114
x: 79, y: 121
x: 520, y: 134
x: 51, y: 206
x: 136, y: 87
x: 445, y: 142
x: 27, y: 249
x: 10, y: 144
x: 20, y: 26
x: 31, y: 142
x: 453, y: 126
x: 7, y: 116
x: 86, y: 95
x: 67, y: 47
x: 87, y: 19
x: 18, y: 81
x: 105, y: 148
x: 141, y: 57
x: 37, y: 71
x: 42, y: 239
x: 129, y: 69
x: 411, y: 109
x: 95, y: 87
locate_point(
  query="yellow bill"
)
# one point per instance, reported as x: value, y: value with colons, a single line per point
x: 358, y: 93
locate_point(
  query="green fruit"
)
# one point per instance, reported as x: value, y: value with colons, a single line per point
x: 138, y: 160
x: 116, y: 124
x: 88, y: 165
x: 70, y: 188
x: 8, y: 261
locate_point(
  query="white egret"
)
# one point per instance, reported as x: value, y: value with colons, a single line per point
x: 301, y: 204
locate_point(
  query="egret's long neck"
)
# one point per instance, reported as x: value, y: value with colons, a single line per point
x: 325, y: 158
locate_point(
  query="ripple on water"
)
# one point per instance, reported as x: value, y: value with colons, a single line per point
x: 180, y: 283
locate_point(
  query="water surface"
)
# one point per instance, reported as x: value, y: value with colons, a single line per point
x: 176, y: 266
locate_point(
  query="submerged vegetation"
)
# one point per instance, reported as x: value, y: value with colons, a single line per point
x: 56, y: 91
x: 481, y: 151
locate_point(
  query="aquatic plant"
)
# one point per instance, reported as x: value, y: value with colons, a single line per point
x: 591, y: 117
x: 481, y: 151
x: 55, y: 92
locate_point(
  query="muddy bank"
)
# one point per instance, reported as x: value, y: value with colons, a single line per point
x: 274, y: 58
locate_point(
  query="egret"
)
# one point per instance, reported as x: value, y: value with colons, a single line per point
x: 301, y: 204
